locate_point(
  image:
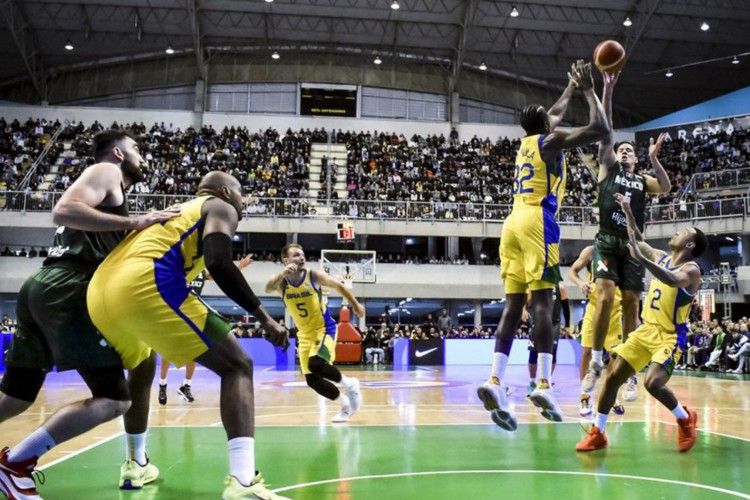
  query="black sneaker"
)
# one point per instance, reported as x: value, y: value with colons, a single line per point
x: 162, y: 394
x: 185, y: 393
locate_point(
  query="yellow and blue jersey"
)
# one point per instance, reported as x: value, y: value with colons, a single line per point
x: 305, y: 303
x: 536, y: 182
x: 668, y: 308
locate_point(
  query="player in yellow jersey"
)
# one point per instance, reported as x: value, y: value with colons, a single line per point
x: 658, y: 341
x: 300, y: 289
x: 614, y: 334
x: 529, y: 244
x: 139, y: 298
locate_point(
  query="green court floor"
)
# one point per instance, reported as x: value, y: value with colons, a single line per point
x: 403, y: 462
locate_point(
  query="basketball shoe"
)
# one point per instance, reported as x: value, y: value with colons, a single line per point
x: 686, y: 430
x: 257, y: 490
x: 16, y: 480
x: 593, y: 374
x: 585, y: 409
x: 134, y: 475
x: 630, y: 391
x: 596, y: 440
x: 618, y: 409
x: 355, y: 397
x: 185, y: 393
x: 345, y: 413
x: 542, y: 398
x: 162, y: 394
x: 532, y: 386
x: 494, y: 395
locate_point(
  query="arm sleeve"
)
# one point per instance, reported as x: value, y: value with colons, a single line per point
x: 217, y: 248
x: 566, y: 311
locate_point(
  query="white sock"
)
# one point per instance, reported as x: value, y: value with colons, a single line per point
x: 135, y: 448
x: 679, y: 412
x: 343, y: 400
x: 36, y: 444
x: 545, y: 367
x: 597, y: 357
x: 186, y: 381
x: 601, y: 420
x: 162, y: 381
x: 499, y: 364
x: 242, y: 459
x: 347, y: 382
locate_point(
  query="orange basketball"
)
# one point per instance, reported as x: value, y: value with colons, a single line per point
x: 609, y: 56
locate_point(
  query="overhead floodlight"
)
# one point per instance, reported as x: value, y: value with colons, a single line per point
x: 275, y: 55
x: 669, y: 73
x: 514, y: 12
x: 169, y: 50
x: 483, y: 66
x: 395, y: 5
x: 269, y: 1
x: 627, y: 22
x: 735, y: 60
x: 705, y: 26
x: 377, y: 60
x: 69, y: 45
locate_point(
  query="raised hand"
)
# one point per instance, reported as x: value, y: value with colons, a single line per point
x: 246, y: 261
x: 655, y: 147
x: 610, y: 79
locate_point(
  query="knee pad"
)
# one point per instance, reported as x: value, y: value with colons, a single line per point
x: 22, y: 383
x: 108, y: 382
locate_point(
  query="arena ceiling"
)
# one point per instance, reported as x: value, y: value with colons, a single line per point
x: 447, y: 39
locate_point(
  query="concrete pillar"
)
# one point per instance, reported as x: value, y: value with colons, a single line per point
x: 200, y: 103
x: 478, y: 314
x: 451, y: 248
x: 476, y: 249
x: 431, y: 246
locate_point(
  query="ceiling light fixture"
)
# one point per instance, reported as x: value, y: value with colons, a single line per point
x: 395, y: 5
x: 483, y: 66
x: 169, y: 50
x: 514, y: 12
x: 627, y: 22
x: 735, y: 60
x: 705, y: 26
x: 669, y: 73
x: 275, y: 55
x: 377, y: 60
x: 269, y: 1
x: 69, y: 45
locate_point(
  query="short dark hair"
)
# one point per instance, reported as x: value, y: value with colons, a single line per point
x: 701, y: 243
x: 285, y: 250
x: 534, y: 119
x: 618, y: 144
x: 105, y: 140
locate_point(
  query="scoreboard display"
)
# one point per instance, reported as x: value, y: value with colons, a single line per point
x: 328, y: 101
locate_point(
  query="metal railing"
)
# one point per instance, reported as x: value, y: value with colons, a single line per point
x: 43, y: 201
x: 717, y: 180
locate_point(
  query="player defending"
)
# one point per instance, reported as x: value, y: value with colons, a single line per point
x: 300, y: 289
x: 529, y: 245
x: 657, y: 342
x: 613, y: 264
x: 140, y: 300
x: 614, y: 332
x: 54, y: 328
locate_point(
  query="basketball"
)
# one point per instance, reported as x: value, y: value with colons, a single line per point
x: 609, y: 56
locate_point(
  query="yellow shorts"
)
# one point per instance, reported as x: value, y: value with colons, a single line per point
x: 614, y: 331
x: 321, y: 343
x: 136, y: 315
x: 530, y: 250
x: 649, y: 344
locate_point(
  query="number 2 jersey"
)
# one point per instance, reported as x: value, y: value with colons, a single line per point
x: 666, y: 307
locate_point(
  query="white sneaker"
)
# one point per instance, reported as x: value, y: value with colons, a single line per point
x: 593, y: 374
x: 630, y: 391
x: 355, y: 397
x: 495, y: 399
x: 344, y: 414
x: 586, y: 409
x: 134, y: 475
x: 734, y: 357
x: 542, y: 398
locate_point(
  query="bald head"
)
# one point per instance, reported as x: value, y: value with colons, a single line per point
x: 223, y: 186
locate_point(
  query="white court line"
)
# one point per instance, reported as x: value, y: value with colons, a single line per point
x: 399, y: 424
x: 561, y: 473
x: 82, y: 450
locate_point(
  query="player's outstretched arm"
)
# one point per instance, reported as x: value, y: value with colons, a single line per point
x: 77, y: 206
x: 324, y: 279
x: 597, y: 127
x: 682, y: 278
x: 606, y: 146
x: 557, y: 111
x: 579, y: 265
x: 634, y: 234
x: 274, y: 283
x: 660, y: 184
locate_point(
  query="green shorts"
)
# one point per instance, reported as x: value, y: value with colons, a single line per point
x: 54, y: 328
x: 612, y: 261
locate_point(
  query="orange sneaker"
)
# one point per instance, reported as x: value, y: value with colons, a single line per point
x: 686, y: 430
x: 16, y: 481
x: 596, y: 440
